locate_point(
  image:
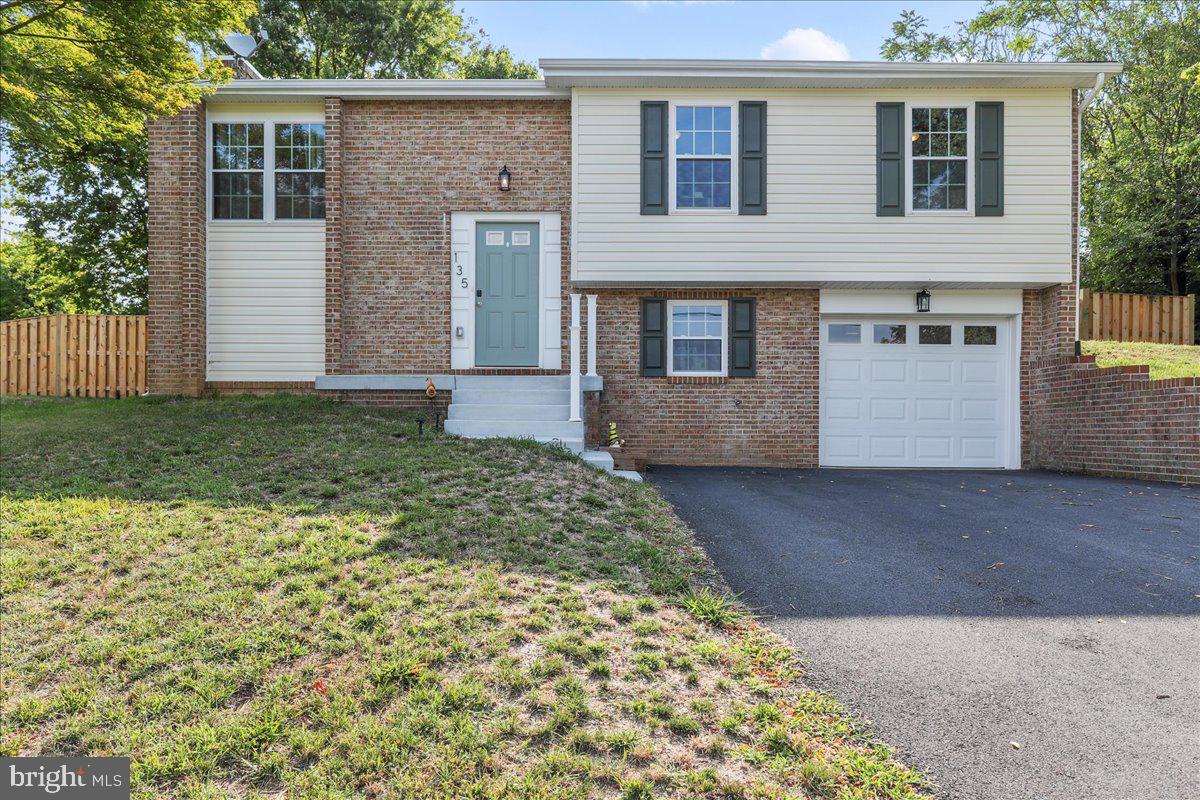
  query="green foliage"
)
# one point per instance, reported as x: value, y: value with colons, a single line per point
x: 91, y: 70
x: 706, y: 605
x: 376, y: 39
x: 83, y: 245
x: 1140, y: 185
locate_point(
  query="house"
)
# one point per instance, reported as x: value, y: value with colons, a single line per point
x: 737, y: 262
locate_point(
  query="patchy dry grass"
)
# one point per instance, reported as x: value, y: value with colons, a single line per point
x: 1164, y: 360
x: 262, y: 598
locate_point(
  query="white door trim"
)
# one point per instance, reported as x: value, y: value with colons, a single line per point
x: 462, y: 284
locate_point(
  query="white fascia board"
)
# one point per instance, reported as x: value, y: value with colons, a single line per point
x: 618, y: 73
x: 302, y: 90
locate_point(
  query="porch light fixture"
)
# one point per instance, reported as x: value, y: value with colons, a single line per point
x: 923, y: 301
x: 505, y: 179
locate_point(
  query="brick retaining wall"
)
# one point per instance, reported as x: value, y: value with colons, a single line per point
x: 1112, y: 421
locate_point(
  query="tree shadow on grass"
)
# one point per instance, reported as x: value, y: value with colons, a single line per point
x: 429, y: 496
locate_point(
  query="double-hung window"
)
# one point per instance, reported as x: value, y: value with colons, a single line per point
x: 703, y: 143
x: 238, y: 160
x: 698, y: 337
x: 268, y: 171
x: 299, y: 171
x: 940, y: 150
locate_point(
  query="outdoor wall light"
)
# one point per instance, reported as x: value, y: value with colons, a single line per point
x: 923, y: 301
x: 505, y: 179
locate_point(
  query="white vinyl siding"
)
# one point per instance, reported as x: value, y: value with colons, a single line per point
x: 266, y: 302
x: 821, y: 228
x: 266, y: 279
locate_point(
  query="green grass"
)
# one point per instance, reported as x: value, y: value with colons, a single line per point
x: 1164, y: 360
x: 279, y: 597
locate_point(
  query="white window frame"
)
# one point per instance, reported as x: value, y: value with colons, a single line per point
x: 289, y: 170
x: 908, y: 158
x: 265, y: 171
x: 671, y: 306
x: 268, y: 119
x: 733, y: 156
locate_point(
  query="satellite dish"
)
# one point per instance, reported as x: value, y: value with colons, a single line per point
x: 242, y: 44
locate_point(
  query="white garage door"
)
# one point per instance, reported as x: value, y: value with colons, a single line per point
x: 916, y: 392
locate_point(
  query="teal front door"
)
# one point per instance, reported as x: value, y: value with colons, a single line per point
x: 506, y: 295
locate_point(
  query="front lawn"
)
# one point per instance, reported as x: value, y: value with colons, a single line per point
x: 262, y: 598
x: 1165, y: 360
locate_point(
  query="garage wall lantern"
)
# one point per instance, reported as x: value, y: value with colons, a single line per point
x: 923, y: 301
x: 505, y: 179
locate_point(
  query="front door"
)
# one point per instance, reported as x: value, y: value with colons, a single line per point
x: 506, y: 295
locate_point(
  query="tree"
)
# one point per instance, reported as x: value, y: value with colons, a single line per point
x: 376, y: 39
x: 78, y: 71
x: 1140, y: 184
x: 85, y: 221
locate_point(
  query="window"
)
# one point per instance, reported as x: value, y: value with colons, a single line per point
x: 979, y: 334
x: 891, y: 334
x: 703, y: 156
x: 299, y: 171
x: 844, y: 333
x: 237, y: 167
x: 939, y: 159
x: 265, y: 170
x: 697, y: 338
x: 934, y: 334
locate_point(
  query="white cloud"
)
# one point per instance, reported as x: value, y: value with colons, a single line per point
x: 807, y: 44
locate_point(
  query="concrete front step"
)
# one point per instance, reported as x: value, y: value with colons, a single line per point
x: 523, y: 411
x: 523, y: 382
x: 540, y: 397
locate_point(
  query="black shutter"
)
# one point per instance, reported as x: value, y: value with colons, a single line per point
x: 889, y: 157
x: 989, y: 159
x: 741, y: 337
x: 654, y: 156
x: 752, y: 155
x: 654, y: 336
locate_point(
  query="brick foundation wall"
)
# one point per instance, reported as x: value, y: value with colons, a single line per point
x: 404, y: 168
x: 1113, y: 421
x: 175, y: 182
x: 768, y: 420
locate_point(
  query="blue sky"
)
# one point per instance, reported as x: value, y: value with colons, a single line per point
x: 697, y: 29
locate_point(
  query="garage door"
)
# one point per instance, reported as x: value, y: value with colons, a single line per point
x: 916, y: 392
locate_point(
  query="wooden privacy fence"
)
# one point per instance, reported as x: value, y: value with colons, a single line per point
x: 1137, y: 317
x: 73, y: 355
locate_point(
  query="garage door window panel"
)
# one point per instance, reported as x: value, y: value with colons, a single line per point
x: 844, y: 333
x: 934, y: 334
x: 890, y: 334
x: 698, y: 338
x: 979, y: 335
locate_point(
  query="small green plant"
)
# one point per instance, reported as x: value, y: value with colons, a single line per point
x: 637, y: 789
x: 707, y: 606
x: 683, y: 725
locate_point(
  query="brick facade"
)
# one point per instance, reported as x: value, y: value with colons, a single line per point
x: 770, y: 419
x: 1113, y: 421
x: 405, y: 168
x: 175, y: 189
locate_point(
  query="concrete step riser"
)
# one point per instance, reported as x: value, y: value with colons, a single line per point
x: 510, y: 411
x: 546, y: 397
x: 502, y: 382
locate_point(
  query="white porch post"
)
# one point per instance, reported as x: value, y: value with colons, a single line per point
x: 575, y: 417
x: 591, y: 336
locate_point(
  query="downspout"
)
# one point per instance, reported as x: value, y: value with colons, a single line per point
x: 1083, y: 104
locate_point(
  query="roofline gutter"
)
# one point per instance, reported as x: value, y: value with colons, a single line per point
x: 292, y: 90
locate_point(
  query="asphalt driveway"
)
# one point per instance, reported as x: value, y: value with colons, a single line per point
x: 962, y: 612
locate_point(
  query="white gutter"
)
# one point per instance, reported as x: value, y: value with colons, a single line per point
x: 1083, y: 104
x: 582, y: 72
x: 296, y: 90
